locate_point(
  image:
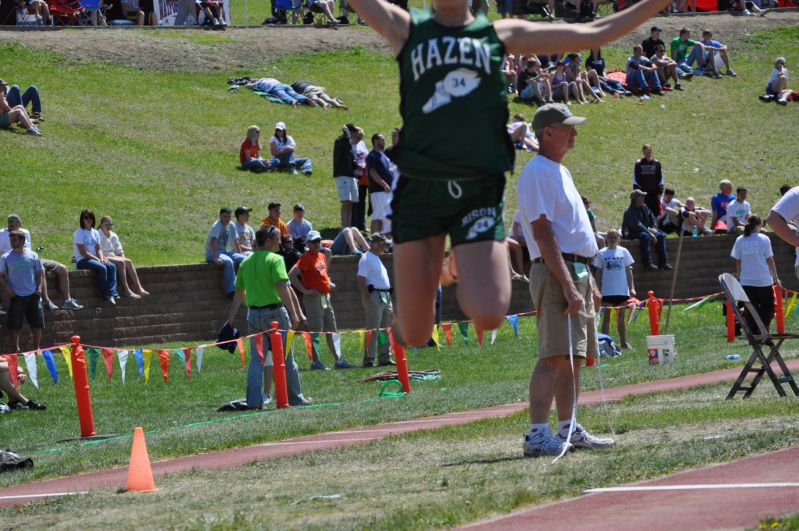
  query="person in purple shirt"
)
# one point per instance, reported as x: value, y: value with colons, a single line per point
x: 718, y: 203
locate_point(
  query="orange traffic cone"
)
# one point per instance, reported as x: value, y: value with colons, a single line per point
x: 140, y: 475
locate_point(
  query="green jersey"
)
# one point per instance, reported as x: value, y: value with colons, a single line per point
x: 258, y: 275
x: 453, y: 101
x: 679, y: 48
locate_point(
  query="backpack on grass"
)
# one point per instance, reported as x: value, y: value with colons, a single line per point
x: 607, y: 348
x: 10, y: 461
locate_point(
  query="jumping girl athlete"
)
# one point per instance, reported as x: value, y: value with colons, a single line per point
x: 454, y: 150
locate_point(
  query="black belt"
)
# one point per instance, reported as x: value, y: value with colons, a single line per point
x: 567, y: 257
x: 268, y: 307
x: 371, y: 288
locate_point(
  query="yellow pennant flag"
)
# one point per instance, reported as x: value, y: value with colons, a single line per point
x: 790, y: 304
x: 436, y: 339
x: 289, y: 339
x: 361, y: 335
x: 148, y: 357
x: 67, y: 353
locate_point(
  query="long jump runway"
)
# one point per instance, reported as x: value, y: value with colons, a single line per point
x: 116, y: 477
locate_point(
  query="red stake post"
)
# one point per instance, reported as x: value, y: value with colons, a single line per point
x: 730, y: 322
x: 778, y: 310
x: 653, y: 305
x: 402, y: 362
x: 82, y: 396
x: 281, y: 389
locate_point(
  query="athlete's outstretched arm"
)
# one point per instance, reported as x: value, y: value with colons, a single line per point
x: 390, y: 21
x: 521, y: 36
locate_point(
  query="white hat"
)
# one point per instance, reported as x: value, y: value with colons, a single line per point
x: 280, y: 126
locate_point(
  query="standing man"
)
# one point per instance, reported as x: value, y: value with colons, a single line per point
x: 648, y: 176
x: 222, y: 248
x: 344, y: 168
x: 15, y: 223
x: 561, y: 245
x: 378, y: 170
x: 309, y: 277
x: 375, y: 288
x: 263, y: 285
x: 273, y: 218
x: 21, y: 274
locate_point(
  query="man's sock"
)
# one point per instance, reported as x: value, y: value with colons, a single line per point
x: 563, y: 425
x: 535, y: 428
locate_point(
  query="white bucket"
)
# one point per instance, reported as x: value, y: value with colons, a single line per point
x: 661, y: 349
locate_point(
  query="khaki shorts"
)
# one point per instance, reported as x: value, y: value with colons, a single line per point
x: 321, y: 318
x: 549, y: 303
x: 347, y: 188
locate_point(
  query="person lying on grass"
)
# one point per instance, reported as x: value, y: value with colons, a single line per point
x: 454, y: 95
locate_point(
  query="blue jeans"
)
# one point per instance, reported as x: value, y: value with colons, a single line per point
x: 256, y: 165
x: 641, y: 80
x: 106, y: 275
x: 287, y: 160
x: 286, y: 94
x: 696, y: 56
x: 258, y: 321
x: 228, y: 259
x: 31, y: 95
x: 612, y: 86
x: 646, y: 253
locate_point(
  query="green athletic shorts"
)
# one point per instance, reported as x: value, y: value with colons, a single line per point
x: 5, y: 121
x: 468, y: 210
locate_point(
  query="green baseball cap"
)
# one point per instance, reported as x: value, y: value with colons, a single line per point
x: 554, y: 113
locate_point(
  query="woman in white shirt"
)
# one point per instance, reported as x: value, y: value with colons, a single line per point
x: 777, y: 84
x: 615, y: 265
x: 127, y: 278
x: 88, y: 255
x: 755, y: 269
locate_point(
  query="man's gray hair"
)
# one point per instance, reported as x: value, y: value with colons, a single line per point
x: 539, y: 134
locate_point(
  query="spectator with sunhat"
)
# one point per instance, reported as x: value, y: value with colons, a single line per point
x: 375, y: 289
x: 310, y: 277
x: 273, y: 218
x: 282, y: 147
x: 639, y: 224
x: 222, y: 248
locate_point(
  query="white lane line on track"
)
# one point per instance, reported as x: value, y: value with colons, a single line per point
x: 44, y: 495
x: 699, y: 486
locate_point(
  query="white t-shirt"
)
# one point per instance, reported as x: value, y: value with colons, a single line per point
x: 546, y: 189
x: 752, y: 251
x: 372, y: 269
x: 5, y: 243
x: 673, y: 204
x: 88, y: 237
x: 788, y: 206
x: 737, y: 210
x: 110, y: 245
x: 614, y: 263
x: 775, y: 73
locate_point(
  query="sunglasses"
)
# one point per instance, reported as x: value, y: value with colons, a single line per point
x: 87, y: 217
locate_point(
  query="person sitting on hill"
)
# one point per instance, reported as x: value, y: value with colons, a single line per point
x: 533, y: 83
x: 509, y: 70
x: 273, y: 218
x: 651, y: 43
x: 282, y: 147
x: 521, y: 134
x: 713, y: 48
x: 777, y: 84
x: 685, y: 59
x: 694, y: 216
x: 325, y: 7
x: 666, y: 68
x: 128, y: 282
x: 596, y: 63
x: 738, y: 211
x: 642, y: 75
x: 718, y: 203
x: 585, y: 79
x: 250, y: 152
x: 214, y: 11
x: 561, y: 85
x: 17, y: 114
x: 41, y: 11
x: 31, y: 95
x: 281, y: 91
x: 639, y: 224
x: 89, y: 255
x: 317, y: 95
x: 669, y: 219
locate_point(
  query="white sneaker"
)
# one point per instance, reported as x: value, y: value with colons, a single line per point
x: 72, y: 304
x: 582, y: 439
x: 34, y: 131
x: 542, y: 443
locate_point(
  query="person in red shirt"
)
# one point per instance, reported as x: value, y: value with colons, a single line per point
x: 309, y: 277
x: 250, y: 151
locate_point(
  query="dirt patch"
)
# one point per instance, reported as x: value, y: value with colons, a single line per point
x: 199, y: 50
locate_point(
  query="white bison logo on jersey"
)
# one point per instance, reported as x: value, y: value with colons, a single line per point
x: 456, y: 84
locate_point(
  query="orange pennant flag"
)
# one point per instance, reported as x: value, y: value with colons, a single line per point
x: 240, y: 344
x: 479, y: 332
x: 368, y: 339
x: 108, y: 359
x: 447, y: 327
x: 187, y: 355
x: 163, y: 359
x: 13, y: 369
x: 259, y: 347
x: 308, y: 344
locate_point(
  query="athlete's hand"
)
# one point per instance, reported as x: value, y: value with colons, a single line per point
x: 596, y: 296
x: 573, y: 299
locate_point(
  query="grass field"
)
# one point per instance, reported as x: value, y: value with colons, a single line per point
x: 158, y: 150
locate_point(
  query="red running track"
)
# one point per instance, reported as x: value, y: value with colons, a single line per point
x: 116, y: 477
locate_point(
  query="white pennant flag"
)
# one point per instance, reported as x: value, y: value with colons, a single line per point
x: 337, y: 343
x: 122, y: 356
x: 33, y: 373
x: 199, y: 356
x: 494, y: 335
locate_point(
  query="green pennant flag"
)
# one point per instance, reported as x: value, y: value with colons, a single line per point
x: 382, y: 338
x: 93, y: 355
x: 464, y: 328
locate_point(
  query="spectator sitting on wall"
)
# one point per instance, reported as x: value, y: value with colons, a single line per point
x: 282, y: 147
x: 31, y: 95
x: 349, y: 241
x: 310, y: 277
x: 128, y: 282
x: 669, y: 219
x: 299, y: 227
x: 222, y: 248
x: 50, y: 266
x: 17, y: 114
x: 89, y: 255
x: 288, y: 251
x: 718, y: 203
x: 245, y: 233
x: 318, y: 95
x: 639, y: 224
x: 273, y: 218
x: 738, y: 211
x: 694, y: 216
x: 214, y: 11
x: 648, y: 176
x: 279, y: 90
x: 250, y: 151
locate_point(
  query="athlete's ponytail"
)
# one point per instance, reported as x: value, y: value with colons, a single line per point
x: 751, y: 223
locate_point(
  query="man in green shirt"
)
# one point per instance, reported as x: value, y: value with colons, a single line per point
x: 680, y: 47
x: 263, y: 284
